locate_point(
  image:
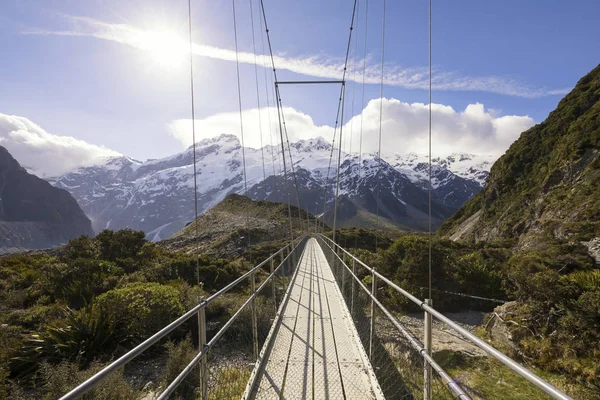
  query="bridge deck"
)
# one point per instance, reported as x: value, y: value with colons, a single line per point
x: 314, y: 351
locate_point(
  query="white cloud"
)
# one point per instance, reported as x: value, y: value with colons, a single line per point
x: 46, y: 154
x: 311, y: 65
x: 404, y: 128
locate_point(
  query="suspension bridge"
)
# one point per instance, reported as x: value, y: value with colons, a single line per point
x: 314, y: 324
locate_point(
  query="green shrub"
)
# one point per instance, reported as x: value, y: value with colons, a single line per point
x: 80, y: 280
x: 142, y: 308
x: 122, y: 244
x: 81, y: 247
x: 85, y: 335
x: 179, y: 356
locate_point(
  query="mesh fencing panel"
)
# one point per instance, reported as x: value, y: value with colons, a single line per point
x: 231, y: 358
x: 398, y: 366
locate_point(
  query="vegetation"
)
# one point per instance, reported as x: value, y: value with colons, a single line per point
x: 549, y: 179
x: 555, y: 319
x: 65, y: 313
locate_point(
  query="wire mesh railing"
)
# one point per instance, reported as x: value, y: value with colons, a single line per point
x: 231, y: 331
x: 403, y: 364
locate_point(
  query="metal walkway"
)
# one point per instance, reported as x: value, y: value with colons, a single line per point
x: 314, y: 351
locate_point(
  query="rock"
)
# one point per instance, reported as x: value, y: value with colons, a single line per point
x: 501, y: 327
x: 594, y: 249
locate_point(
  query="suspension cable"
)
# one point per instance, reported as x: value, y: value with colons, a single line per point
x: 353, y: 91
x: 291, y: 160
x: 262, y: 40
x: 362, y: 101
x: 239, y: 90
x: 337, y: 181
x: 430, y: 187
x: 257, y: 91
x: 262, y: 5
x: 338, y: 110
x: 380, y: 117
x: 194, y: 145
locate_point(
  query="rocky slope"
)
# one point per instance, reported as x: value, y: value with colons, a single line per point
x: 157, y: 196
x: 547, y: 184
x: 33, y: 213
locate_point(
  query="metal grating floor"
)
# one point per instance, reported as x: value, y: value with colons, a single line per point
x: 314, y: 351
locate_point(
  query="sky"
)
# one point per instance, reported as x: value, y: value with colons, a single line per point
x: 85, y: 80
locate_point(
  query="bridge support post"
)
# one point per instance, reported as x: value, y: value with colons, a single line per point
x: 273, y: 284
x: 201, y: 344
x: 254, y: 319
x: 283, y: 272
x: 427, y: 373
x: 372, y: 330
x: 352, y: 292
x: 343, y: 276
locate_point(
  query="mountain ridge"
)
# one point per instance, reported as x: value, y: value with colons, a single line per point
x: 33, y: 213
x: 157, y: 196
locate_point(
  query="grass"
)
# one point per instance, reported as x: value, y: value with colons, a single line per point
x: 230, y: 383
x: 487, y: 378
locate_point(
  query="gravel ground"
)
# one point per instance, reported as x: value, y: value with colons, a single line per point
x: 445, y: 338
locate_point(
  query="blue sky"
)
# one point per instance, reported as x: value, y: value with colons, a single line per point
x: 71, y: 68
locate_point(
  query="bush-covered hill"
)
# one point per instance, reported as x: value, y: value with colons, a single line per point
x: 547, y: 184
x: 542, y: 203
x: 236, y: 223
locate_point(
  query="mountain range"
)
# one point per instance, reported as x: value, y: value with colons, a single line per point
x: 157, y: 196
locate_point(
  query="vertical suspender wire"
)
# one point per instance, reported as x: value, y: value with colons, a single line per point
x: 353, y: 90
x: 285, y: 183
x: 257, y: 91
x: 362, y: 101
x: 327, y: 177
x: 264, y: 64
x: 194, y: 146
x: 239, y: 90
x: 430, y: 187
x: 276, y: 88
x: 380, y: 116
x: 339, y: 106
x: 287, y: 139
x: 337, y: 181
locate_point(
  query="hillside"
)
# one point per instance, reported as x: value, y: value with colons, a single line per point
x: 237, y: 223
x: 547, y: 184
x: 33, y: 213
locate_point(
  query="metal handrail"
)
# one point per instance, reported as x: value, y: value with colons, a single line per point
x: 451, y: 384
x: 93, y: 381
x: 489, y: 349
x: 177, y: 381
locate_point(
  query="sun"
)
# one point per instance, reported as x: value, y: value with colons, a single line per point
x: 166, y: 49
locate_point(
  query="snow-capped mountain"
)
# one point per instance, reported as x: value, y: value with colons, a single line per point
x: 157, y: 196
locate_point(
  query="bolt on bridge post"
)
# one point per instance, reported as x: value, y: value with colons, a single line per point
x: 427, y: 373
x: 201, y: 344
x: 372, y: 331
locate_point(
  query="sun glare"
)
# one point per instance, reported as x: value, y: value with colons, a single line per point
x: 167, y: 49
